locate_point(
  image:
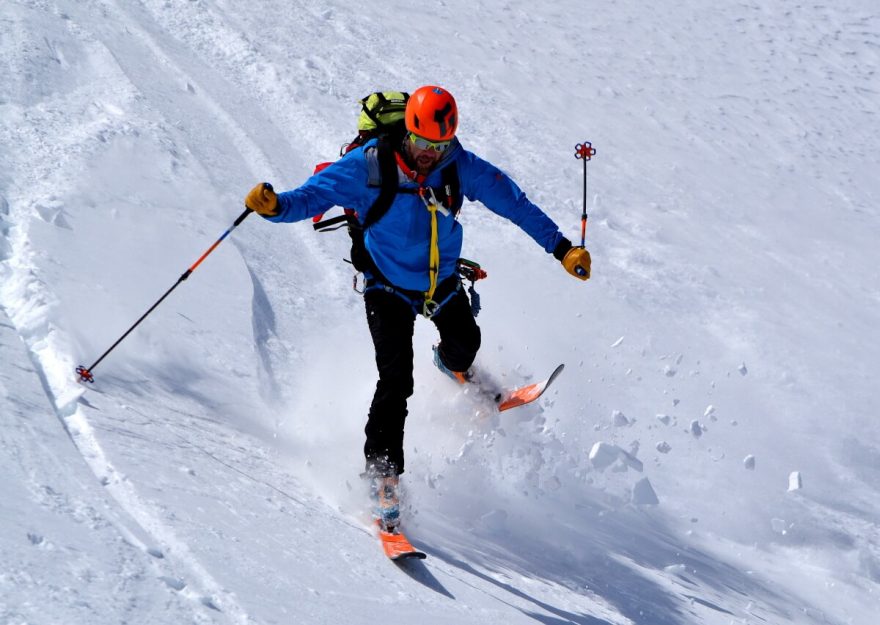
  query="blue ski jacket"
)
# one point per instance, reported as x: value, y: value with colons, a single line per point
x: 399, y: 242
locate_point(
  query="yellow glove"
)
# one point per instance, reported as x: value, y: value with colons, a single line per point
x: 577, y: 262
x: 262, y: 199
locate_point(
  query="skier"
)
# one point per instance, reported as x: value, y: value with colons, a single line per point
x: 411, y: 252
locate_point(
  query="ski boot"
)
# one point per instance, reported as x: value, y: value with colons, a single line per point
x: 385, y: 495
x: 462, y: 377
x: 385, y: 491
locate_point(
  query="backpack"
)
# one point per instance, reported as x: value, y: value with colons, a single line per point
x: 382, y: 115
x: 382, y: 118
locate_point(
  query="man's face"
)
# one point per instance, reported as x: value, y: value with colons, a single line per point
x: 425, y: 154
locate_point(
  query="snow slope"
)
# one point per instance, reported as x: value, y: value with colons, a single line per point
x: 211, y: 473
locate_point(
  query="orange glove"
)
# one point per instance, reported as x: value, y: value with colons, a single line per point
x: 577, y: 262
x: 262, y: 199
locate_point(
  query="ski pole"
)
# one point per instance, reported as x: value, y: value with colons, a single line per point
x: 585, y: 152
x: 85, y: 373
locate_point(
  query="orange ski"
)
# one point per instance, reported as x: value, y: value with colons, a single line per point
x: 526, y: 394
x: 397, y: 547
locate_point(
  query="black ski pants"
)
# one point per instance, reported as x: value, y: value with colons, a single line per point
x: 392, y: 320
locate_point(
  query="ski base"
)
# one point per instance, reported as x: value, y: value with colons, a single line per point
x: 397, y: 547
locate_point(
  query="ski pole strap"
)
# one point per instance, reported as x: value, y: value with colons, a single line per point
x: 475, y: 300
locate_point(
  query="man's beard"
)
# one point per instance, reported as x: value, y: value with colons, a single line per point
x: 425, y: 163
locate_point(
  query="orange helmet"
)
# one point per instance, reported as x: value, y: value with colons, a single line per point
x: 431, y: 113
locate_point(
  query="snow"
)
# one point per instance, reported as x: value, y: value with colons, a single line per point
x: 211, y: 474
x: 603, y: 455
x: 643, y: 493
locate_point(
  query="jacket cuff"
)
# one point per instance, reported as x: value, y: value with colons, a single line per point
x: 561, y: 249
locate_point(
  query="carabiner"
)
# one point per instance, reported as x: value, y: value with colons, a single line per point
x: 429, y: 308
x: 432, y: 200
x: 354, y: 283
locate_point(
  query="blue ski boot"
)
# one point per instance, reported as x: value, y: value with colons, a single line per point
x: 385, y: 495
x: 462, y: 377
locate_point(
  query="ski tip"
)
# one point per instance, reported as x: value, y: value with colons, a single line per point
x: 528, y: 393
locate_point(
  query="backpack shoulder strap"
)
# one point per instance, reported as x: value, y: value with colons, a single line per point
x: 382, y: 173
x: 452, y: 187
x: 382, y: 162
x: 374, y: 171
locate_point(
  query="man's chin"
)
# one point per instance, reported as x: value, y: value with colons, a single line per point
x: 424, y: 164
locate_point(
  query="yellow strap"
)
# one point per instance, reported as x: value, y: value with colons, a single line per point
x: 434, y: 256
x: 433, y: 206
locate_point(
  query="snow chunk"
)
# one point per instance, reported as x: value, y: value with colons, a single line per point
x: 663, y: 447
x: 631, y: 461
x: 710, y: 413
x: 697, y: 428
x: 617, y: 342
x: 749, y: 462
x: 742, y: 369
x: 620, y: 419
x: 665, y: 419
x: 619, y: 467
x: 794, y: 481
x: 643, y: 493
x: 603, y: 455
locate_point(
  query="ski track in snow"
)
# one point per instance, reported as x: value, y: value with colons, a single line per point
x: 54, y: 364
x: 202, y: 497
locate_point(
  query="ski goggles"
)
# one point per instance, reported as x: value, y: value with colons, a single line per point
x: 424, y: 144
